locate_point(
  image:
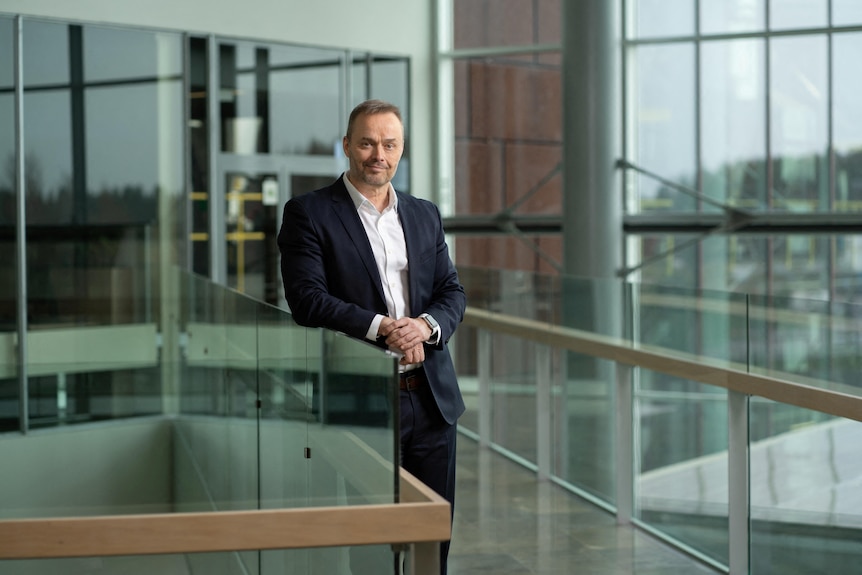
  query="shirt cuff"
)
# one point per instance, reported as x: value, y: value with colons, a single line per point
x: 374, y: 327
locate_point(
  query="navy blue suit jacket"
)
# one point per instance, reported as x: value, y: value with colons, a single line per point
x: 331, y: 279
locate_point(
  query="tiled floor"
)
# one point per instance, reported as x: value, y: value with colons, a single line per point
x: 508, y: 523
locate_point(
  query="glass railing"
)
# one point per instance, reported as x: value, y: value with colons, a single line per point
x: 547, y: 403
x: 231, y: 407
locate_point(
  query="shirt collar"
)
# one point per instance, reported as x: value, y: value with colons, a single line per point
x: 359, y: 199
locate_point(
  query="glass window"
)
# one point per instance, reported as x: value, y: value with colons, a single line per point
x: 672, y: 260
x: 848, y: 270
x: 731, y: 17
x: 846, y: 12
x: 48, y: 159
x: 7, y: 137
x: 847, y: 122
x: 654, y: 18
x: 733, y: 125
x: 305, y: 104
x: 785, y: 14
x: 390, y: 81
x: 663, y: 125
x: 46, y: 45
x: 8, y: 227
x: 799, y: 95
x: 359, y: 73
x: 111, y: 54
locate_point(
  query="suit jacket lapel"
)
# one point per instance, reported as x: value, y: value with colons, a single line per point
x: 408, y: 225
x: 344, y: 208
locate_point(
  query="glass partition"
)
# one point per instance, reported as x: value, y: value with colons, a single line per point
x: 259, y: 413
x: 801, y: 469
x: 806, y: 515
x: 9, y: 386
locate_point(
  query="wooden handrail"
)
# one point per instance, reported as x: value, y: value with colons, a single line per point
x: 423, y: 517
x: 826, y: 397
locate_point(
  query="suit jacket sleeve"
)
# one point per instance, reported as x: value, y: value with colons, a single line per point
x: 442, y: 294
x: 317, y: 268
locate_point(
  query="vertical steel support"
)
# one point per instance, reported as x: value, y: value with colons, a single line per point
x: 484, y: 369
x: 217, y: 242
x: 625, y: 457
x: 20, y: 228
x: 543, y: 412
x: 592, y: 205
x: 738, y: 482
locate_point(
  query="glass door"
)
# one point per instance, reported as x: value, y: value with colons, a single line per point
x: 255, y: 188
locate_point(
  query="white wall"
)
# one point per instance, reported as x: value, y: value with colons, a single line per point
x: 400, y: 27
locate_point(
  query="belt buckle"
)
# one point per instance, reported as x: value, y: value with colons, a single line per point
x: 411, y: 382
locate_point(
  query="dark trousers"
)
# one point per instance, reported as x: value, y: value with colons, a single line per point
x: 428, y: 447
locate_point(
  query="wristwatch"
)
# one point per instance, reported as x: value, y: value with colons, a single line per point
x: 432, y: 323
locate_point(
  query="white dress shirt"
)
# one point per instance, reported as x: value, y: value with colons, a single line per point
x: 386, y: 237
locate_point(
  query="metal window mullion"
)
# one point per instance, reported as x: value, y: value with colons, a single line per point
x: 20, y: 227
x: 217, y: 242
x: 698, y: 136
x: 830, y: 149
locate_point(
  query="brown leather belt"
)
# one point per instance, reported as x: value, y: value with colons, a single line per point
x: 410, y: 380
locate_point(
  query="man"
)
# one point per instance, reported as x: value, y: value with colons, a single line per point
x: 363, y: 259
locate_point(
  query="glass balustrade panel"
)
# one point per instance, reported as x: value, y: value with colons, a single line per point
x: 806, y: 512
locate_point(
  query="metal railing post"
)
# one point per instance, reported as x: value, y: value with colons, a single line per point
x: 625, y: 444
x: 738, y: 494
x: 543, y: 411
x: 484, y: 369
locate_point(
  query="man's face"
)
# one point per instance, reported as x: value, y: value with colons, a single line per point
x: 374, y: 150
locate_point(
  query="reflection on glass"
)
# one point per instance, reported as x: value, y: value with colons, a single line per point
x: 847, y: 251
x: 797, y: 13
x: 7, y: 64
x: 672, y: 259
x: 124, y: 180
x: 813, y: 338
x: 730, y: 17
x: 733, y: 148
x: 252, y: 253
x: 682, y: 429
x: 45, y: 53
x: 847, y: 122
x: 799, y: 97
x: 8, y: 228
x: 664, y: 120
x: 48, y: 160
x: 681, y: 483
x: 805, y: 472
x: 747, y: 269
x: 113, y: 54
x: 662, y: 18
